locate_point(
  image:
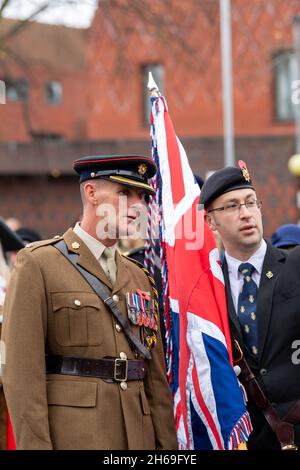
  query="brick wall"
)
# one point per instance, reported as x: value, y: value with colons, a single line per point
x: 30, y: 192
x: 193, y: 85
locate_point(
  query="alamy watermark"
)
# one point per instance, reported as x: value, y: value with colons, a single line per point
x: 121, y: 221
x: 2, y: 92
x: 296, y: 353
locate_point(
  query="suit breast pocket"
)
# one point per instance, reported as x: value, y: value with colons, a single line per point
x: 77, y: 318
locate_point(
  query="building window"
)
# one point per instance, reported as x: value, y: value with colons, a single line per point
x: 16, y: 89
x: 54, y: 92
x: 157, y: 71
x: 285, y: 69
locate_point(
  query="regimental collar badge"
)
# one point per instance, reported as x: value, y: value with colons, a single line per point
x: 245, y: 171
x: 75, y: 245
x: 142, y: 168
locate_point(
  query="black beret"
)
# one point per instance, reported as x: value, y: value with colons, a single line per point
x: 9, y: 240
x: 225, y: 180
x: 131, y: 170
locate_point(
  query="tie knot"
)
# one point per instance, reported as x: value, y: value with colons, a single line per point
x: 246, y: 269
x: 108, y: 253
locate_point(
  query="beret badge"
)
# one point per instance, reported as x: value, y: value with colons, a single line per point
x: 245, y: 171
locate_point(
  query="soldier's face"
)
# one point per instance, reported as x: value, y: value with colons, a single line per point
x: 120, y: 210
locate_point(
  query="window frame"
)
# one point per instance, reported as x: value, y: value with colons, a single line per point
x: 277, y: 57
x: 46, y: 92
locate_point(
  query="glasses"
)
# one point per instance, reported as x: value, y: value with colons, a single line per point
x: 234, y: 207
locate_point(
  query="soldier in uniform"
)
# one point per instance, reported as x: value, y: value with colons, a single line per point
x: 84, y: 359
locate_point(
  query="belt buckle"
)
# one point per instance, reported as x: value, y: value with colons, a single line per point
x: 289, y: 447
x: 117, y: 364
x: 69, y: 365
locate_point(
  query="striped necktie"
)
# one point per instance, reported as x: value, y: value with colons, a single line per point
x: 247, y: 303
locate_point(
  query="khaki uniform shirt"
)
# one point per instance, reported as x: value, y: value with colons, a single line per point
x: 95, y: 246
x: 56, y: 411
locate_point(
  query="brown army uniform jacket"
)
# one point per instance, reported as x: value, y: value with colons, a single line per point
x: 66, y: 412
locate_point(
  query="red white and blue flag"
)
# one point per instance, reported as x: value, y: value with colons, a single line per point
x: 209, y: 405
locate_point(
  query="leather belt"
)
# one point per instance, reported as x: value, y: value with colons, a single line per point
x: 107, y: 368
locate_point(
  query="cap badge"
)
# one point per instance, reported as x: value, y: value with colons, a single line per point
x: 245, y: 171
x: 75, y: 245
x: 269, y: 274
x: 142, y: 168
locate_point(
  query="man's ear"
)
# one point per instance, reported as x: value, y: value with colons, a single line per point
x: 209, y: 219
x: 89, y: 192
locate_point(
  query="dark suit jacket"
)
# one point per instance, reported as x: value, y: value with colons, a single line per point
x: 278, y: 316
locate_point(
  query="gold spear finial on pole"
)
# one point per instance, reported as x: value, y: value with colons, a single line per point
x: 152, y: 87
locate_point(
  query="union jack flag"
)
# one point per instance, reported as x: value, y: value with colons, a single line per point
x: 209, y: 404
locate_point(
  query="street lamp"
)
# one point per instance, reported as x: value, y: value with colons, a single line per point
x: 294, y: 168
x: 294, y: 164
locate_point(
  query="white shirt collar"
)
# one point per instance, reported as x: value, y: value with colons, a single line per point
x: 257, y: 260
x: 94, y: 245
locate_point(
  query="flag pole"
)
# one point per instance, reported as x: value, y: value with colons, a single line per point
x: 149, y: 258
x: 152, y: 87
x: 228, y: 120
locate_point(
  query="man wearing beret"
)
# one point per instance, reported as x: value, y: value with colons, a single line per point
x: 84, y: 359
x: 263, y: 300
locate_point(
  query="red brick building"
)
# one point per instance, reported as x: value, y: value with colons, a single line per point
x: 104, y: 107
x: 43, y: 74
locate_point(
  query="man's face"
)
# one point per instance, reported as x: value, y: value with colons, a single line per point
x: 239, y: 227
x: 120, y: 210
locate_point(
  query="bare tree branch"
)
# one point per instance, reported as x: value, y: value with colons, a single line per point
x: 23, y: 23
x: 3, y: 6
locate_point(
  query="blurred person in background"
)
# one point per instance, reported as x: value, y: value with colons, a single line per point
x: 8, y: 242
x: 286, y: 236
x: 13, y: 223
x: 28, y: 235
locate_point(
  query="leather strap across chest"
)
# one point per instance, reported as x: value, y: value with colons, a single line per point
x: 282, y: 427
